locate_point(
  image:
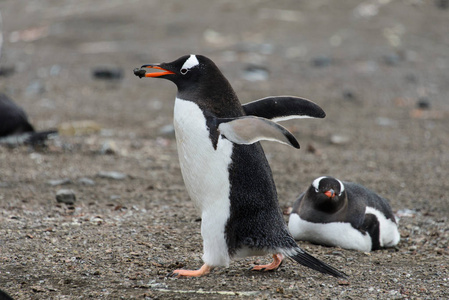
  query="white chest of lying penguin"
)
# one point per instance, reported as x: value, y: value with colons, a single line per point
x: 224, y: 167
x: 343, y: 214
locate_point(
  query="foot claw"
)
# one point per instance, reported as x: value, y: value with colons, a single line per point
x: 204, y: 270
x: 171, y: 274
x: 277, y: 262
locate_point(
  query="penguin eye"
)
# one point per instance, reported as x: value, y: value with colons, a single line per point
x: 184, y: 71
x: 317, y: 190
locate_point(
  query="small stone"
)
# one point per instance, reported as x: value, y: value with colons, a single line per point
x: 139, y: 72
x: 7, y: 71
x: 66, y: 196
x: 382, y: 121
x: 107, y: 73
x: 337, y: 139
x: 287, y: 211
x: 255, y: 73
x: 391, y: 59
x: 311, y: 148
x: 112, y: 175
x: 442, y: 4
x: 86, y: 181
x: 59, y: 181
x: 423, y: 103
x: 109, y: 147
x: 406, y: 213
x: 167, y: 130
x: 349, y: 95
x: 97, y: 220
x: 35, y: 88
x: 321, y: 61
x: 37, y: 289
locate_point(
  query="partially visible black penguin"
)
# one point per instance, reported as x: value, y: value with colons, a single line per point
x: 13, y: 119
x: 14, y: 123
x: 344, y: 214
x: 5, y: 296
x: 225, y: 169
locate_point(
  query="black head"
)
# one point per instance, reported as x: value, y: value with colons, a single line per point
x: 327, y: 193
x: 198, y: 79
x: 185, y: 72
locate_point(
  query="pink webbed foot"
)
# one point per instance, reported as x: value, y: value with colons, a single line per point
x: 277, y: 262
x: 204, y: 270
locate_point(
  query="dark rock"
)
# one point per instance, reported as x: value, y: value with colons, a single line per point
x: 442, y: 4
x: 255, y: 73
x: 392, y: 59
x: 412, y: 78
x: 423, y: 103
x: 349, y: 95
x: 321, y: 61
x: 107, y: 73
x: 7, y: 71
x: 139, y: 72
x: 66, y: 196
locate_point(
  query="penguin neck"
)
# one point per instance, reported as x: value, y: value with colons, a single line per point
x: 214, y: 96
x: 330, y: 206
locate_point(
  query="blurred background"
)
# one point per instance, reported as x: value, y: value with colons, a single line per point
x: 375, y: 51
x: 379, y: 68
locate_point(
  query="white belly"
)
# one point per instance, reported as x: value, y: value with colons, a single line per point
x: 206, y: 176
x: 331, y: 234
x: 388, y: 230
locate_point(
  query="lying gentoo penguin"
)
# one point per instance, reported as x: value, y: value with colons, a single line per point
x: 344, y: 214
x: 13, y: 119
x: 14, y: 124
x: 225, y: 169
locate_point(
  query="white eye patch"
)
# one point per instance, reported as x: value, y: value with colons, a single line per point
x: 316, y: 183
x: 190, y: 63
x: 342, y: 187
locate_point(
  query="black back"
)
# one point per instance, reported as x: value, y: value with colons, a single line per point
x: 371, y: 199
x: 255, y: 219
x: 13, y: 119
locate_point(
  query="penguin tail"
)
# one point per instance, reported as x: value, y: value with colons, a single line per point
x: 307, y: 260
x: 39, y: 137
x: 33, y: 138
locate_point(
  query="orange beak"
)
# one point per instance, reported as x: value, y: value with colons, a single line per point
x: 330, y: 193
x: 157, y: 74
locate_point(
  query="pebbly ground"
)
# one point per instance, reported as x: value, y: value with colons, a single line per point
x: 380, y: 70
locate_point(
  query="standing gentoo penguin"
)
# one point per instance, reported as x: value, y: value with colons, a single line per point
x: 344, y: 214
x: 225, y: 169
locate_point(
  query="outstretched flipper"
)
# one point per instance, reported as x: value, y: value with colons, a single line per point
x: 282, y: 108
x: 248, y: 130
